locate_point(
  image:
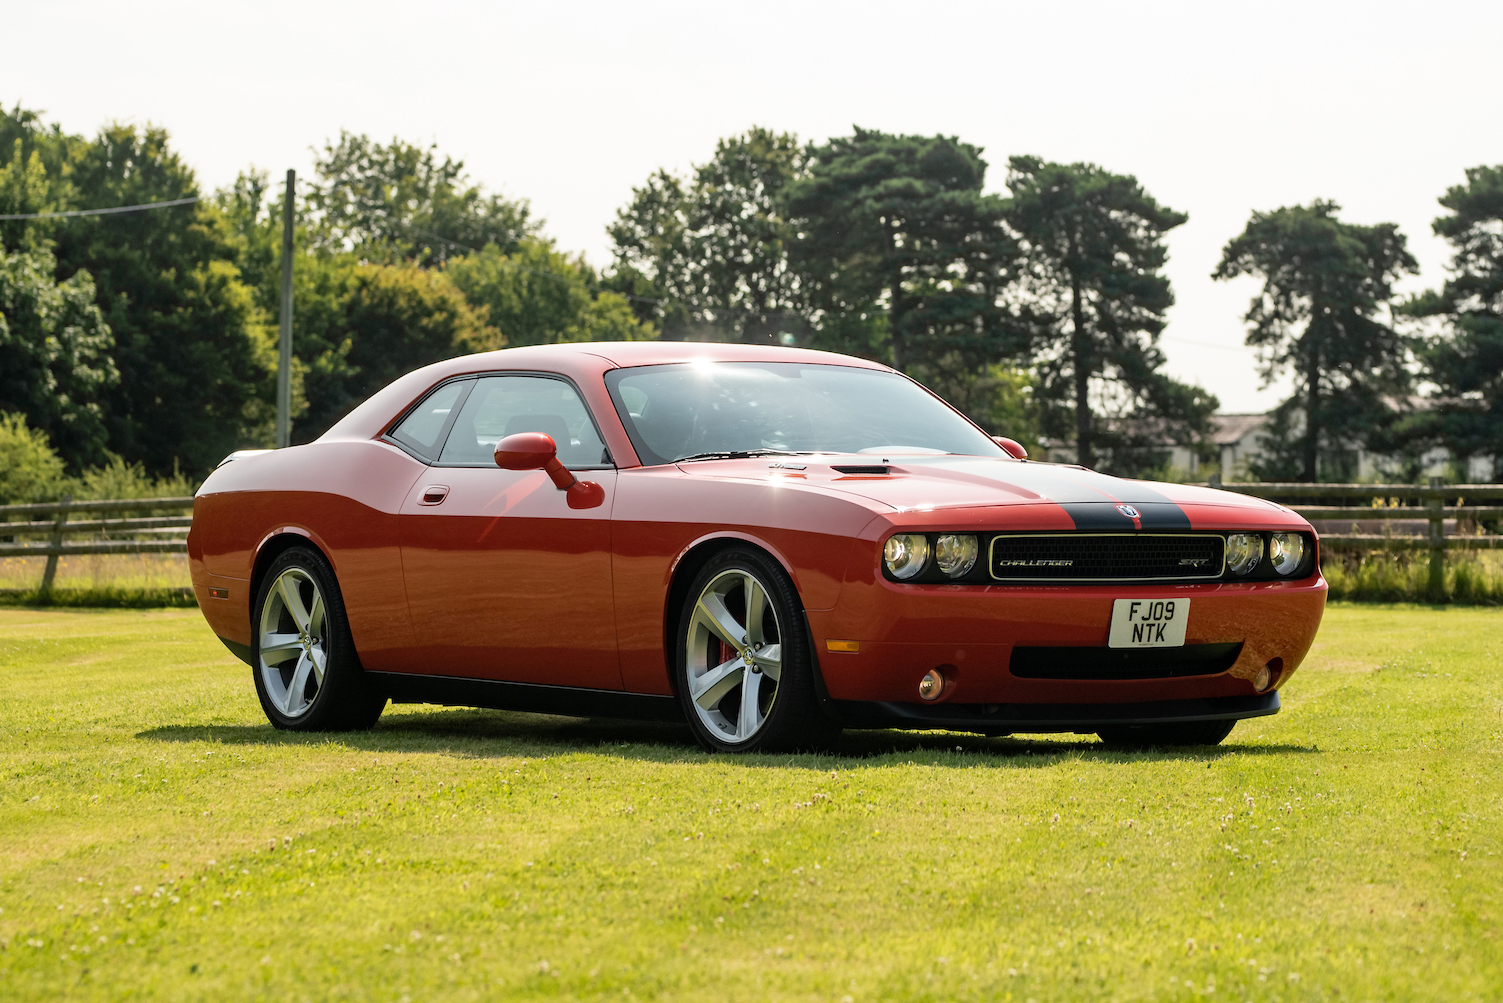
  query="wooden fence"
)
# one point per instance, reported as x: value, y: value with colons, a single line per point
x: 115, y: 530
x: 1387, y: 502
x: 112, y: 532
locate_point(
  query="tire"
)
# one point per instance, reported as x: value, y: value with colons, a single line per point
x: 299, y: 621
x: 1144, y: 736
x: 723, y: 654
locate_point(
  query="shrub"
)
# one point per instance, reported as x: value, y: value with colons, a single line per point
x: 1471, y: 579
x: 29, y: 468
x: 118, y: 479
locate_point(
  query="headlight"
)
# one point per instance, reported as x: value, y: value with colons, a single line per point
x: 1287, y: 552
x: 955, y: 554
x: 1243, y: 552
x: 905, y: 554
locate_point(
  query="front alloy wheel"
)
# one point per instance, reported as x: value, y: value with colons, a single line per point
x: 745, y: 677
x: 735, y: 656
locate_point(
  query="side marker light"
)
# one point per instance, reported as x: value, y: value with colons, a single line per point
x: 850, y: 647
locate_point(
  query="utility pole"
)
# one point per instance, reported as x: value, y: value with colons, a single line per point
x: 284, y: 357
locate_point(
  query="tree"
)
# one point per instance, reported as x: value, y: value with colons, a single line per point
x: 35, y: 162
x: 997, y: 396
x: 194, y: 354
x: 713, y: 252
x: 395, y: 318
x: 55, y: 348
x: 1466, y: 363
x: 540, y: 296
x: 1093, y: 297
x: 1318, y: 316
x: 896, y: 240
x: 400, y: 202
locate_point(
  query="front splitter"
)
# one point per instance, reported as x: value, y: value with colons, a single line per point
x: 1001, y: 719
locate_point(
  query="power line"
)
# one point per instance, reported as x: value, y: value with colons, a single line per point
x: 167, y: 205
x: 1202, y: 344
x: 508, y: 263
x: 99, y: 212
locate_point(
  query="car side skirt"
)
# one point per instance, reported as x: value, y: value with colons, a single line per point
x: 998, y: 719
x: 456, y: 691
x: 536, y: 698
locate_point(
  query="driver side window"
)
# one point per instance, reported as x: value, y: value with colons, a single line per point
x: 505, y: 405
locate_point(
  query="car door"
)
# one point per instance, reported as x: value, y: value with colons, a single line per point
x: 504, y: 579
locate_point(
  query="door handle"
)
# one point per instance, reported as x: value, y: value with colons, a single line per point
x: 434, y: 494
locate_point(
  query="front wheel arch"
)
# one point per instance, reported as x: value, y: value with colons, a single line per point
x: 795, y: 719
x: 682, y: 575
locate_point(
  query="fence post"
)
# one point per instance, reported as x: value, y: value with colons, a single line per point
x: 1436, y: 504
x: 57, y: 541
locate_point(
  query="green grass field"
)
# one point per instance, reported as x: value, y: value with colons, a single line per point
x: 159, y: 840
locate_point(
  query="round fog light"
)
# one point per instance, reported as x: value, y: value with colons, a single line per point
x: 905, y: 554
x: 955, y: 554
x: 1269, y: 674
x: 932, y: 685
x: 1286, y: 552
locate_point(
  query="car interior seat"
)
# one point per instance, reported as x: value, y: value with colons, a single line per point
x: 464, y: 445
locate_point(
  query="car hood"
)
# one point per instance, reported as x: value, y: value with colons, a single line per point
x: 938, y: 483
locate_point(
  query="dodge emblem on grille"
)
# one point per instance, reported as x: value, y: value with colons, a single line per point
x: 1128, y: 511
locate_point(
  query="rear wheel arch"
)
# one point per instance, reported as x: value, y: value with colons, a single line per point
x: 301, y: 640
x: 273, y: 547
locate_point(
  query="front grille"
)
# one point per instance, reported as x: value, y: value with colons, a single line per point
x: 1124, y: 663
x: 1113, y: 557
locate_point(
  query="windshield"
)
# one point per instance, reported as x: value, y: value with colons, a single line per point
x: 705, y: 410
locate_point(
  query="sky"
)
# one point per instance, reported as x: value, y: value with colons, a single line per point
x: 1218, y: 109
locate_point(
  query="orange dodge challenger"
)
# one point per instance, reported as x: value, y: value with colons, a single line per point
x: 770, y: 544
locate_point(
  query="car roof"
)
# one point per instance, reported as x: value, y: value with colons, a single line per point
x: 583, y: 360
x: 659, y: 353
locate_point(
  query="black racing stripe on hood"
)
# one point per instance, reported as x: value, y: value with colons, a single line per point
x: 1093, y: 508
x: 1104, y: 516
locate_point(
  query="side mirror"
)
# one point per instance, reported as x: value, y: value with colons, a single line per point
x: 1013, y: 446
x: 537, y: 451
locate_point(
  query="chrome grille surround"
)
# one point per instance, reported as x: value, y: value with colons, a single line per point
x: 1106, y: 557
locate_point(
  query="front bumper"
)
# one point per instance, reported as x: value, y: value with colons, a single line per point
x: 902, y: 632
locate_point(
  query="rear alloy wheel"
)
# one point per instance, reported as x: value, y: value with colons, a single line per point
x: 745, y: 674
x: 1146, y: 736
x: 307, y: 673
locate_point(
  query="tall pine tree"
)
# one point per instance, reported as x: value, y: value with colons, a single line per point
x: 1466, y: 363
x: 711, y: 252
x: 1094, y: 297
x: 896, y: 241
x: 1319, y: 317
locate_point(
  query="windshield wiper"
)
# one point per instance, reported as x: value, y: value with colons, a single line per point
x: 739, y: 454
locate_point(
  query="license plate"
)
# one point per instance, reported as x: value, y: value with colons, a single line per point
x: 1148, y: 623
